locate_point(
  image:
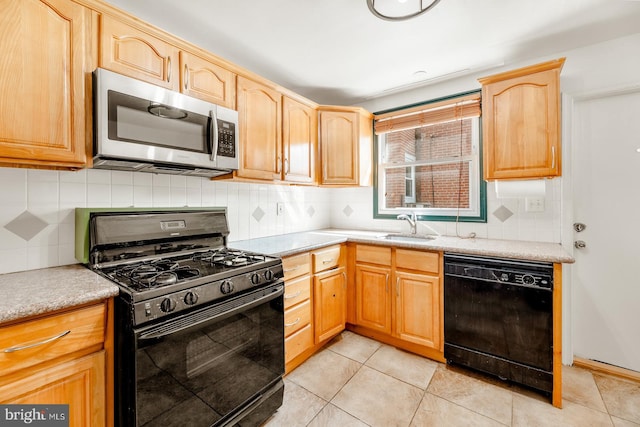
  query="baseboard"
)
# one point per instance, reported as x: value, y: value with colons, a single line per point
x: 606, y: 369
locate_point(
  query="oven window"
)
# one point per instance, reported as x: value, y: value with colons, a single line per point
x: 136, y: 120
x: 199, y: 376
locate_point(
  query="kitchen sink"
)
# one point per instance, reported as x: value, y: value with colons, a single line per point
x: 413, y: 238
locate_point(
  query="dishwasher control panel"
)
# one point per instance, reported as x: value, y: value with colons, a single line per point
x: 523, y: 273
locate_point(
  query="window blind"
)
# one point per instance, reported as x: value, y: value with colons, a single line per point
x: 444, y: 111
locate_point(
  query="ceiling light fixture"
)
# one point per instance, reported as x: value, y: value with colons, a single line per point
x: 400, y: 10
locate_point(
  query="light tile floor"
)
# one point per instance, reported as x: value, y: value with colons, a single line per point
x: 356, y: 381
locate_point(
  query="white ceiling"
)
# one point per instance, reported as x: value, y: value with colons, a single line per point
x: 337, y: 52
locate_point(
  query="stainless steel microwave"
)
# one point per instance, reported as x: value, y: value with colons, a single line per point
x: 142, y: 127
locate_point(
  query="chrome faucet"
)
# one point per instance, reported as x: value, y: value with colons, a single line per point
x: 412, y: 218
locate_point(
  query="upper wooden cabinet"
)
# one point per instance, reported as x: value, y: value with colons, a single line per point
x: 346, y: 138
x: 135, y: 53
x: 45, y: 83
x: 278, y: 135
x: 205, y: 80
x: 128, y: 50
x: 260, y: 117
x: 299, y: 141
x: 521, y: 122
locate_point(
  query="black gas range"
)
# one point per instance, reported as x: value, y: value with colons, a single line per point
x: 199, y: 326
x: 169, y: 262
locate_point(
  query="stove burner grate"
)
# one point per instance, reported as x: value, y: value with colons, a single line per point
x: 157, y: 273
x: 229, y: 257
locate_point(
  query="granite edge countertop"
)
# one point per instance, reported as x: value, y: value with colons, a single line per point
x: 33, y: 292
x: 294, y: 243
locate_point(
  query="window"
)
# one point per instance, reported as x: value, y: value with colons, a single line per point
x: 410, y: 179
x: 429, y: 161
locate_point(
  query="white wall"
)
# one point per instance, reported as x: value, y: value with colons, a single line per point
x: 612, y: 64
x: 43, y: 202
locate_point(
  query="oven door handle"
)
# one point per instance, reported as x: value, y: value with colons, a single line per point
x: 204, y: 317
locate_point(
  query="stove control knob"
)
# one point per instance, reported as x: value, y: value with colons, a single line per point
x: 268, y: 275
x: 528, y: 279
x: 226, y: 287
x: 255, y: 278
x: 167, y: 305
x: 190, y: 298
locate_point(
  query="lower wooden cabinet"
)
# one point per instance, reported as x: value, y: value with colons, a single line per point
x: 373, y: 307
x: 297, y: 344
x: 298, y: 329
x: 418, y: 309
x: 314, y: 301
x: 397, y: 297
x: 62, y: 358
x: 330, y: 299
x: 79, y: 383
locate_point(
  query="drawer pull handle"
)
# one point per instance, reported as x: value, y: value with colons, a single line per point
x: 297, y: 267
x: 293, y: 295
x: 328, y: 261
x: 295, y: 322
x: 25, y: 347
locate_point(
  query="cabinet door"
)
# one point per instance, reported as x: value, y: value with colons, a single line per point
x: 79, y: 383
x: 260, y: 116
x: 521, y: 126
x: 339, y: 147
x: 134, y: 53
x: 299, y: 135
x: 373, y: 302
x: 418, y: 309
x: 207, y: 81
x: 330, y: 309
x: 46, y: 53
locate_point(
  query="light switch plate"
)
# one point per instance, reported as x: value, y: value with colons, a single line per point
x: 534, y: 204
x: 280, y: 208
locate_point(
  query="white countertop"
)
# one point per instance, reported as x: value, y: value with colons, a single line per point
x: 290, y: 244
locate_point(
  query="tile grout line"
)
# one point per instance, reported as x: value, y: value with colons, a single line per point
x: 350, y: 378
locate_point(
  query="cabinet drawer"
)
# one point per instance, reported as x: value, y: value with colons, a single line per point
x: 297, y: 343
x: 417, y: 260
x: 296, y: 317
x: 326, y: 259
x: 295, y: 266
x: 29, y: 343
x: 296, y: 291
x: 373, y: 254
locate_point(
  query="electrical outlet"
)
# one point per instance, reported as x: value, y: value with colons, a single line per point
x: 534, y: 204
x: 280, y: 208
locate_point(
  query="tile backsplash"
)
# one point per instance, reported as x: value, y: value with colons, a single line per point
x: 506, y: 218
x: 37, y: 213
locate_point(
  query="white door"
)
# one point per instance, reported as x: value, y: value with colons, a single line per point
x: 606, y: 192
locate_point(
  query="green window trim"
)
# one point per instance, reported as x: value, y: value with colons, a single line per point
x: 480, y: 217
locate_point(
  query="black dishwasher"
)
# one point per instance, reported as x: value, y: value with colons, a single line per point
x: 498, y: 318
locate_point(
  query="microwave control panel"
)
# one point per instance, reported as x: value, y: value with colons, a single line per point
x: 226, y: 138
